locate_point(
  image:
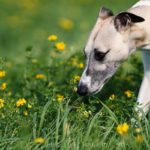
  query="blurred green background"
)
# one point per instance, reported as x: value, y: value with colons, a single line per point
x: 29, y: 22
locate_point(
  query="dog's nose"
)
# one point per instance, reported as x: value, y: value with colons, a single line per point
x: 82, y: 89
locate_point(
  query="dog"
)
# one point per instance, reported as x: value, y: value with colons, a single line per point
x: 111, y: 41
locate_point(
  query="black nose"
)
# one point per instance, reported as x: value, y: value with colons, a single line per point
x: 82, y: 89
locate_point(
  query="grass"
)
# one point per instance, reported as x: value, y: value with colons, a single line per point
x: 53, y: 116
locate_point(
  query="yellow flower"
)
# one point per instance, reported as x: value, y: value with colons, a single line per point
x: 39, y: 140
x: 112, y: 97
x: 21, y: 102
x: 29, y: 106
x: 1, y: 103
x: 76, y: 79
x: 122, y: 129
x: 60, y: 98
x: 139, y: 138
x: 66, y: 24
x: 3, y: 86
x: 52, y: 37
x: 40, y: 76
x: 60, y: 46
x: 2, y: 73
x: 128, y: 93
x: 81, y: 66
x: 25, y: 113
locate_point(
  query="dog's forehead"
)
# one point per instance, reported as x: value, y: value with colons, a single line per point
x: 100, y: 36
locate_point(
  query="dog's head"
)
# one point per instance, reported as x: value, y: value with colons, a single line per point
x: 109, y: 44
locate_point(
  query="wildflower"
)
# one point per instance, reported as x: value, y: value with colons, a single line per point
x: 81, y: 65
x: 39, y: 140
x: 60, y: 98
x: 128, y: 93
x: 60, y: 46
x: 40, y: 76
x: 112, y: 97
x: 3, y: 86
x: 1, y: 103
x: 122, y: 129
x: 2, y: 73
x: 21, y: 102
x: 29, y: 106
x: 76, y: 79
x: 66, y: 24
x: 52, y: 37
x: 139, y: 138
x: 25, y: 113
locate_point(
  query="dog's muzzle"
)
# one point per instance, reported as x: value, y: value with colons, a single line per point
x: 82, y: 89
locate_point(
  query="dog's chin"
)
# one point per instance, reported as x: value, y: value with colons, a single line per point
x: 96, y: 91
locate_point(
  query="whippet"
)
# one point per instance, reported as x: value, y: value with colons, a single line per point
x: 112, y: 40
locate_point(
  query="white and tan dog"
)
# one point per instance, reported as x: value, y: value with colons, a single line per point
x: 112, y: 40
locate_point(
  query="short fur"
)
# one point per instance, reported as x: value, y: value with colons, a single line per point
x: 112, y: 40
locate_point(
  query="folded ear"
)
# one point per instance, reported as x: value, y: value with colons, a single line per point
x: 105, y: 12
x: 126, y: 19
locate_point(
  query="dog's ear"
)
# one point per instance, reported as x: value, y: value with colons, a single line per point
x: 126, y: 19
x: 105, y: 12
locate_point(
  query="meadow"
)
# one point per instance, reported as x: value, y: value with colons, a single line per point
x: 41, y: 61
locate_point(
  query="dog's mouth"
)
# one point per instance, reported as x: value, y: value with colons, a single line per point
x: 99, y: 89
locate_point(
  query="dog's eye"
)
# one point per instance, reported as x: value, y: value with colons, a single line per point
x: 99, y: 56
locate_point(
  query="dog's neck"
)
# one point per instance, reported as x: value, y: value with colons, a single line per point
x: 140, y: 32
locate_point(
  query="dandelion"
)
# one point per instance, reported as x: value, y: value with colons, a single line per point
x: 122, y: 129
x: 21, y: 102
x: 25, y: 113
x: 40, y: 76
x: 139, y: 138
x: 76, y: 79
x: 112, y: 97
x: 60, y: 46
x: 81, y: 65
x: 52, y: 37
x: 3, y: 86
x: 2, y: 74
x: 60, y: 98
x: 66, y: 24
x: 39, y: 140
x: 128, y: 93
x: 1, y: 103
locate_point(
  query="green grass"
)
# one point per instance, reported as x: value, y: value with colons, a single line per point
x: 75, y: 123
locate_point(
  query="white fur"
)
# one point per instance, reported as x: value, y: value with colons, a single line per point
x: 144, y: 94
x: 142, y: 3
